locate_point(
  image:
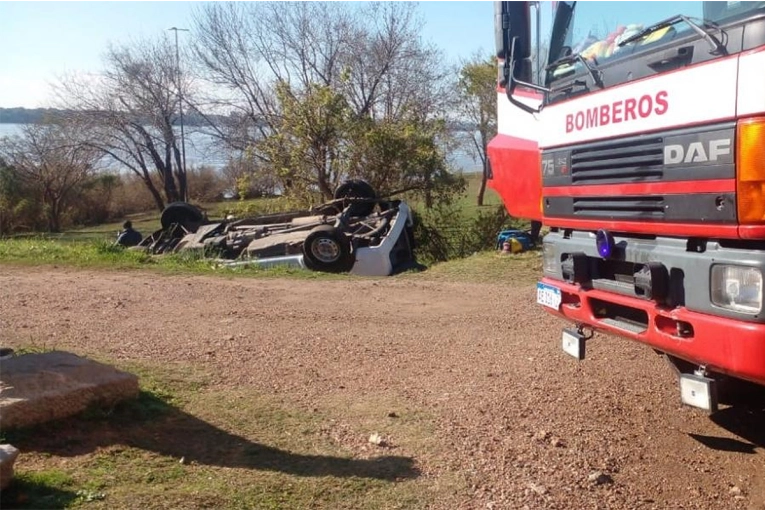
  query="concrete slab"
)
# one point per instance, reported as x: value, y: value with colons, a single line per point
x: 36, y: 388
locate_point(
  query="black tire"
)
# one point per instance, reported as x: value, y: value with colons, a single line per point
x: 327, y: 249
x: 187, y: 215
x: 357, y: 188
x: 536, y: 227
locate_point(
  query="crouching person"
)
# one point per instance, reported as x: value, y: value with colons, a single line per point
x: 128, y: 236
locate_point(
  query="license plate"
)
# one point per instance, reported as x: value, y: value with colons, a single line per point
x: 548, y: 295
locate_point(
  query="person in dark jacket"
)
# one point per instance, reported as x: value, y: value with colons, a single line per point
x: 128, y: 236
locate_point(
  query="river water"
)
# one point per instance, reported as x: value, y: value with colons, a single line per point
x: 202, y: 151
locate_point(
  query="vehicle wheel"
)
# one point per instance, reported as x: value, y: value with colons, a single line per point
x: 187, y: 215
x: 327, y: 249
x: 357, y: 188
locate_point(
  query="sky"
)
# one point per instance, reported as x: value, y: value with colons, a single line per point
x: 41, y: 41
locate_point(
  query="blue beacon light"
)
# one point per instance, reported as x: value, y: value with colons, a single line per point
x: 604, y: 242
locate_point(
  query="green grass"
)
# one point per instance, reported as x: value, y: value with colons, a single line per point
x: 468, y: 201
x: 186, y: 443
x: 485, y: 266
x: 47, y: 488
x: 104, y: 254
x: 94, y: 247
x: 489, y: 266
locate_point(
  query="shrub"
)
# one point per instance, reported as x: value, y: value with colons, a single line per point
x: 206, y: 184
x: 444, y: 232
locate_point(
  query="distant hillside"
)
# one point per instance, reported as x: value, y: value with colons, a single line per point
x: 35, y: 115
x: 23, y: 115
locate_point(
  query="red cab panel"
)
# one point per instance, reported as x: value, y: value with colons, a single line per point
x: 516, y: 175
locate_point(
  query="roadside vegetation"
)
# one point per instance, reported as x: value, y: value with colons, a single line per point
x: 447, y: 232
x: 353, y: 92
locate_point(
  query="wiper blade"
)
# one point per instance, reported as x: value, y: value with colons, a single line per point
x: 577, y: 57
x: 717, y: 47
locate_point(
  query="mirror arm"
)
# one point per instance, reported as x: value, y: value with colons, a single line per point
x: 511, y: 82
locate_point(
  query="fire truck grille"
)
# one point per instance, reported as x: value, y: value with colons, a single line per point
x: 616, y: 162
x: 628, y: 207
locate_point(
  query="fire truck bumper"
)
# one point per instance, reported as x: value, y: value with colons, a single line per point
x: 732, y: 347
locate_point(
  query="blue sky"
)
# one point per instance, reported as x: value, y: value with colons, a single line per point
x: 42, y: 40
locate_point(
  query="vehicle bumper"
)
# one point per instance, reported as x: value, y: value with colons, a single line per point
x: 728, y: 346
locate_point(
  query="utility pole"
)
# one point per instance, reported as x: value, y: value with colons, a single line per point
x: 180, y: 95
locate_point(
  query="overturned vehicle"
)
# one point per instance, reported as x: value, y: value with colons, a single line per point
x: 357, y: 232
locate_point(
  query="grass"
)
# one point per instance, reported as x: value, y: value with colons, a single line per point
x: 105, y: 255
x: 93, y: 247
x: 490, y: 267
x: 486, y: 266
x: 468, y: 200
x: 186, y: 443
x: 49, y: 488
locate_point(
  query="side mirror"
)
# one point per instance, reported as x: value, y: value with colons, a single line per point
x: 512, y: 31
x: 512, y: 28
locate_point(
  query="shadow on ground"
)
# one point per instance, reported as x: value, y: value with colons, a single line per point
x: 149, y: 423
x: 745, y: 418
x: 25, y: 494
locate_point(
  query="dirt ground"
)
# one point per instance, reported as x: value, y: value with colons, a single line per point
x: 522, y: 423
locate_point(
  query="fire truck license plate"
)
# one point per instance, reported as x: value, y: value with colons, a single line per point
x: 548, y: 295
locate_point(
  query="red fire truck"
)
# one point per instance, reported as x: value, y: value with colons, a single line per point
x: 635, y: 132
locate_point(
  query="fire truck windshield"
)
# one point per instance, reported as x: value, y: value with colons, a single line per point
x: 595, y: 30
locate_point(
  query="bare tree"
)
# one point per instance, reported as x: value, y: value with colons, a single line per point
x: 337, y: 64
x: 477, y: 88
x: 51, y: 165
x: 128, y: 114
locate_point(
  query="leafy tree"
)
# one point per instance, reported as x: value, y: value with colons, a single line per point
x: 477, y: 87
x: 11, y: 194
x: 404, y: 155
x: 315, y: 88
x: 307, y: 144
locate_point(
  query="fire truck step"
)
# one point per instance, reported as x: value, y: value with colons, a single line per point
x: 625, y: 325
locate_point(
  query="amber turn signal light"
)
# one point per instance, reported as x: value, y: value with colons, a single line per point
x: 750, y: 170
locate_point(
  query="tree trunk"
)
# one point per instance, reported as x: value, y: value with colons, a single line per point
x: 484, y: 178
x: 171, y: 192
x: 155, y: 194
x: 325, y: 188
x: 54, y: 220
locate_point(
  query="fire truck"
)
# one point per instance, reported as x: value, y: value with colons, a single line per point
x: 635, y: 132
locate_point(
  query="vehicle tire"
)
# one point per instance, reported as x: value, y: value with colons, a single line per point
x: 357, y: 188
x: 187, y: 215
x: 327, y: 249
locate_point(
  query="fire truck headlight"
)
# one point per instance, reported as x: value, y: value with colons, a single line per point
x: 737, y: 288
x: 549, y: 261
